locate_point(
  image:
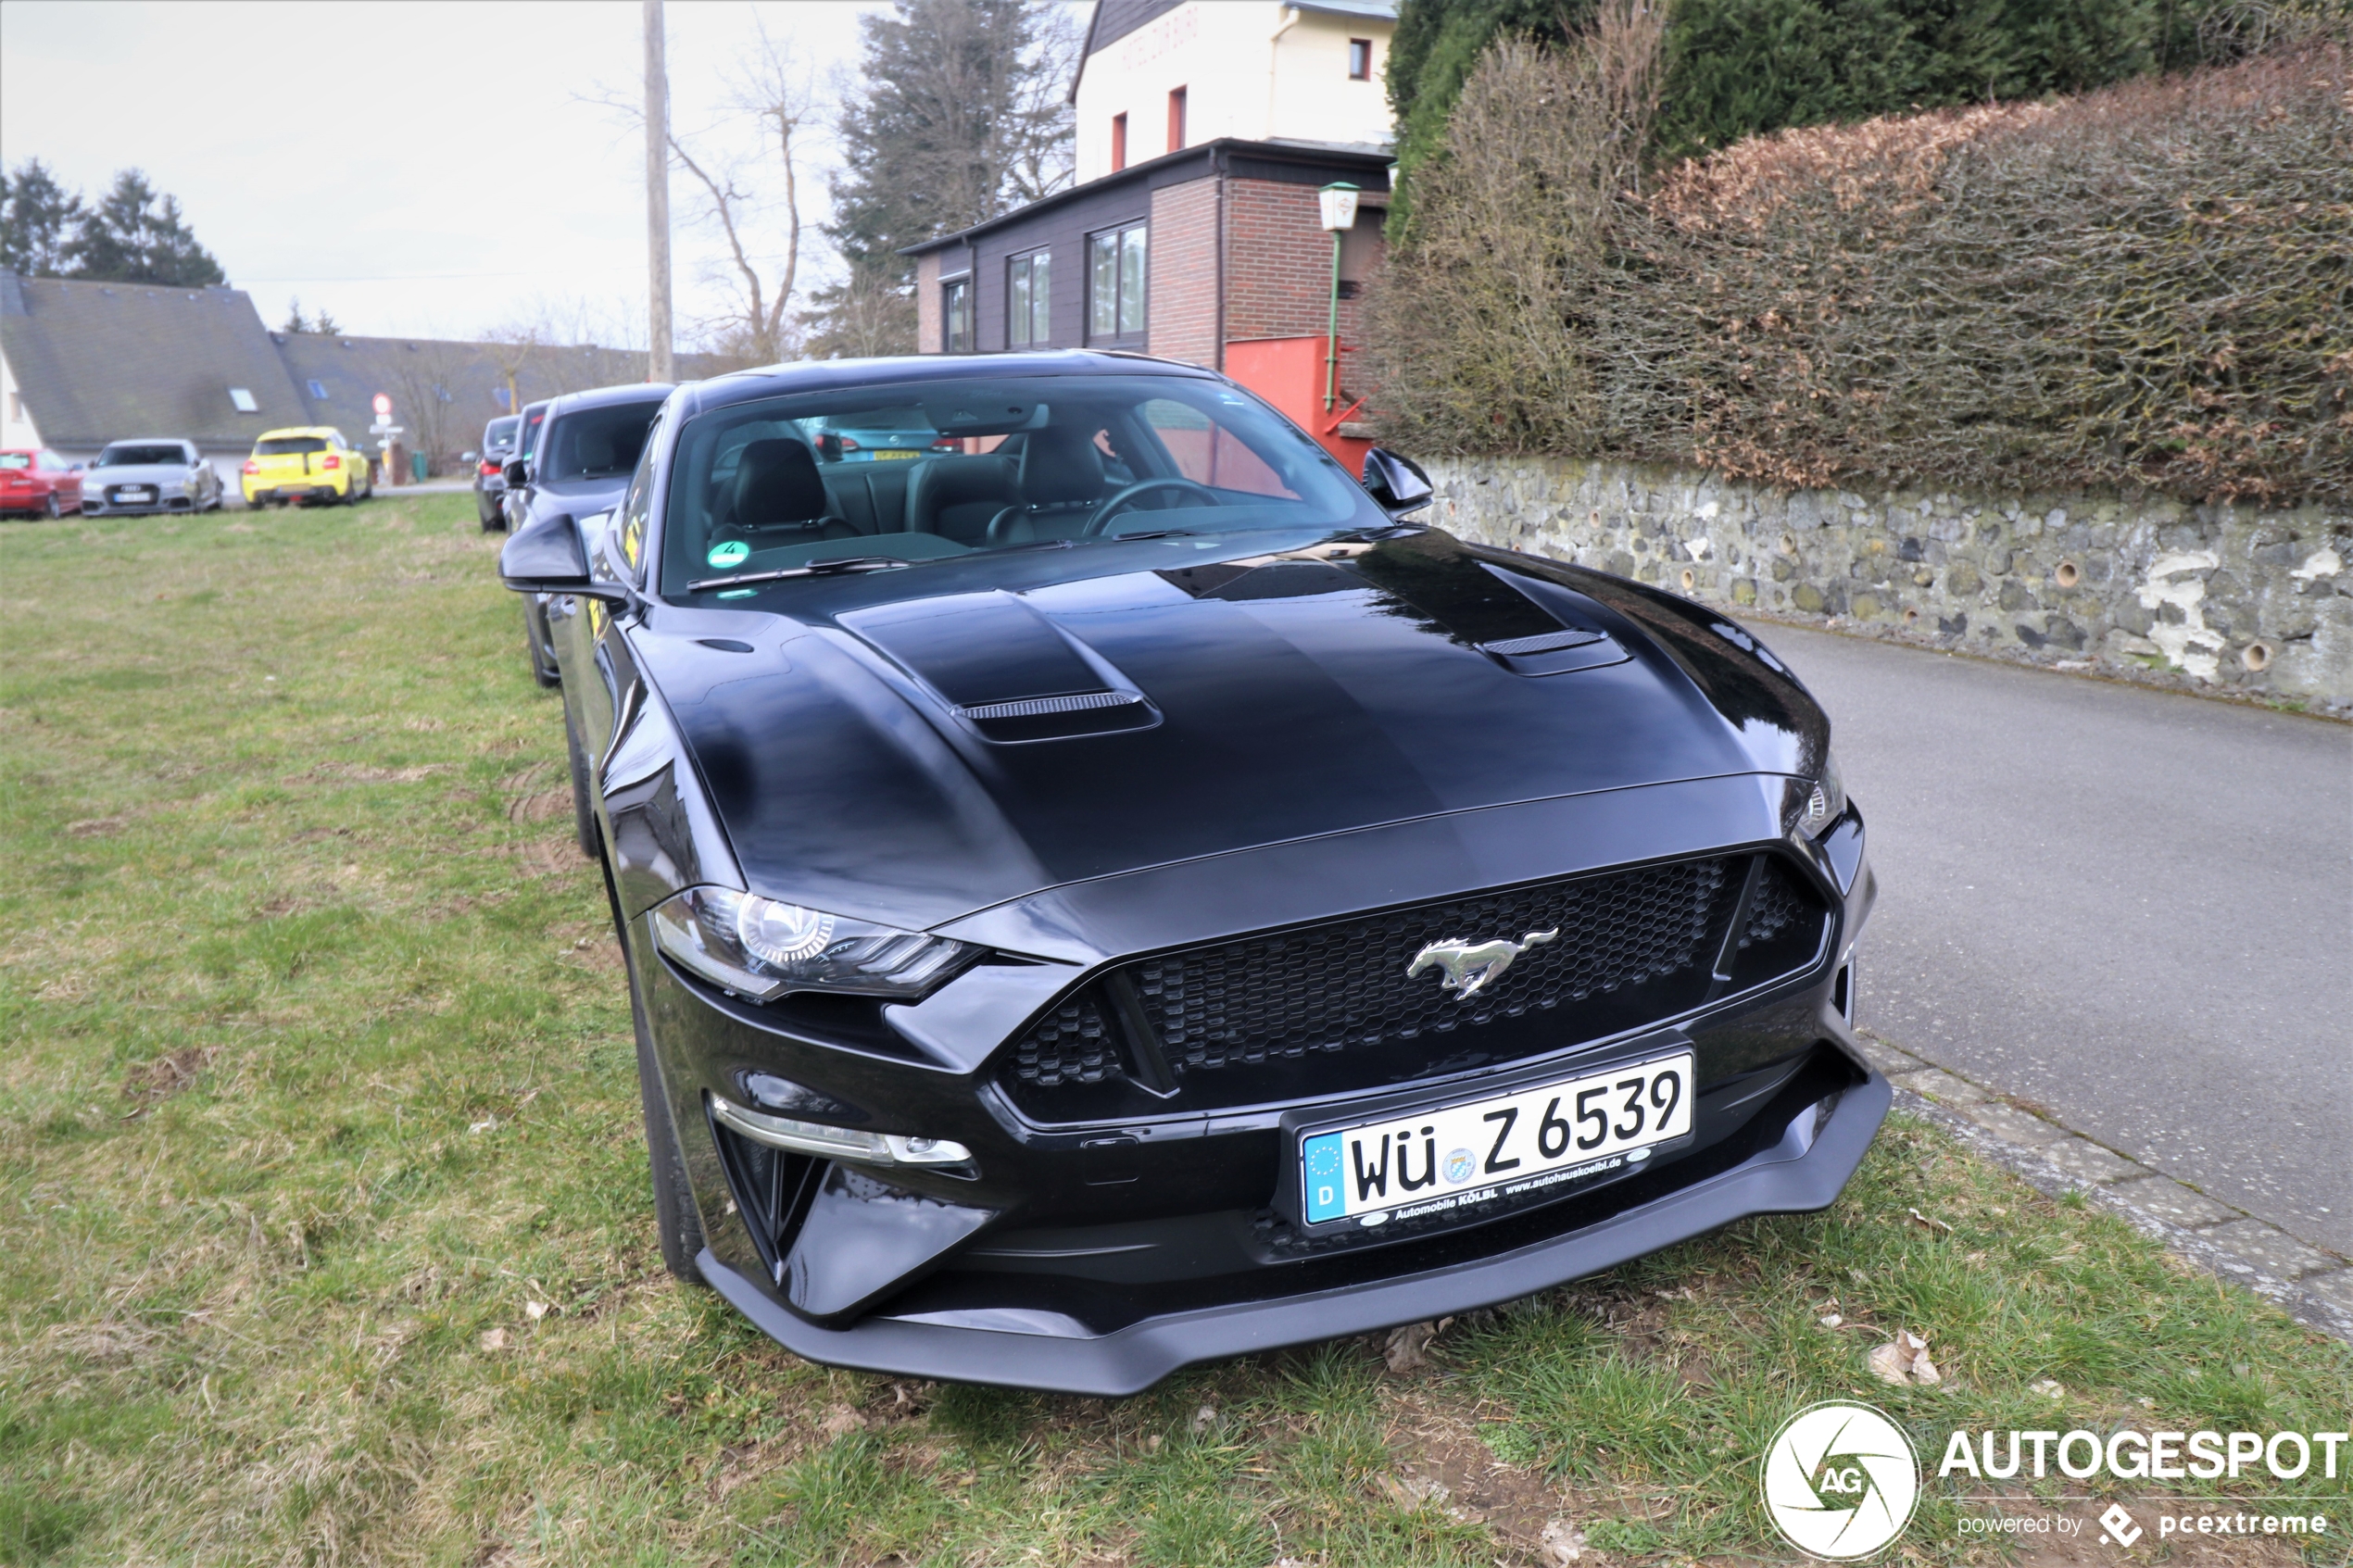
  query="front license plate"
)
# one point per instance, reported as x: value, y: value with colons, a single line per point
x: 134, y: 494
x: 1417, y: 1162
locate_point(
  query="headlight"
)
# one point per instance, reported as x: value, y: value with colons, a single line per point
x: 1826, y: 804
x: 762, y: 949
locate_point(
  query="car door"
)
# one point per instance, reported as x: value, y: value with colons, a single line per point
x: 610, y: 684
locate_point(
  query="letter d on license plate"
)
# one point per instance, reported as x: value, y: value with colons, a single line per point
x: 1503, y: 1146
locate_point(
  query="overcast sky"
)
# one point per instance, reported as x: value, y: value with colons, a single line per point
x: 417, y: 169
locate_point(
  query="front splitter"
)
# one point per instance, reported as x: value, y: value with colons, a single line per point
x: 1801, y: 1173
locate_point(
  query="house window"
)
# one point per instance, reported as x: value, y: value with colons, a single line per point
x: 956, y: 316
x: 1115, y: 283
x: 1027, y: 296
x: 317, y: 389
x: 1118, y: 142
x: 243, y: 401
x: 1176, y: 119
x: 1360, y: 60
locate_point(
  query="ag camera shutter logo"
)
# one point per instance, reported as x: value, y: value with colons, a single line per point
x: 1840, y: 1480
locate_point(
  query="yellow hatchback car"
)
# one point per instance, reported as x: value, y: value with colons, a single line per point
x: 307, y: 463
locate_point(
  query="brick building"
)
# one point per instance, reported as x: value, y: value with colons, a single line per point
x: 1212, y: 251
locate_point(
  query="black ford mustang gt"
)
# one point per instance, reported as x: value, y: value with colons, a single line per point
x: 1102, y: 891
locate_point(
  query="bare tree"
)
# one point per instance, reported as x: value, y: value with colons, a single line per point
x: 425, y: 376
x: 514, y: 347
x: 777, y: 92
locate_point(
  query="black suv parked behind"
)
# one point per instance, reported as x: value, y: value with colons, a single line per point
x: 490, y: 472
x: 578, y: 453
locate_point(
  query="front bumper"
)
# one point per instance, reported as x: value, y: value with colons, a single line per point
x: 1096, y: 1253
x: 98, y: 506
x: 1818, y: 1143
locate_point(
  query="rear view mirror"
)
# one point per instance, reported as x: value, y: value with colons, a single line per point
x: 1397, y: 484
x: 518, y: 473
x: 548, y: 557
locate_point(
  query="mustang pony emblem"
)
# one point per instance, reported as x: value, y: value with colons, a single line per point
x: 1464, y: 968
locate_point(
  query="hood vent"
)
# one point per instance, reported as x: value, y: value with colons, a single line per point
x: 1003, y: 668
x: 1037, y: 707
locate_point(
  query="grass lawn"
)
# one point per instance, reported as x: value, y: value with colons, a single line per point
x: 325, y: 1234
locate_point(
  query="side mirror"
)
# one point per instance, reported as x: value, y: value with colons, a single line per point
x: 518, y: 473
x: 1397, y: 484
x: 546, y: 557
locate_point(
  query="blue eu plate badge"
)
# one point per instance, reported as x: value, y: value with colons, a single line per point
x: 1321, y: 1159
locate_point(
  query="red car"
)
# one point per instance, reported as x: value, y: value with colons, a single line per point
x: 38, y: 482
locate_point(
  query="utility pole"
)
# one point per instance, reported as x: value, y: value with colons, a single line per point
x: 657, y: 362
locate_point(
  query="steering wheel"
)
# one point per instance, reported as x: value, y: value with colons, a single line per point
x: 1103, y: 514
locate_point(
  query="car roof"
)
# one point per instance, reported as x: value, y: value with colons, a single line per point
x: 152, y: 440
x: 827, y: 375
x: 607, y: 397
x: 299, y: 430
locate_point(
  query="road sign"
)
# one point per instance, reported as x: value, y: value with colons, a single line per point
x: 383, y: 404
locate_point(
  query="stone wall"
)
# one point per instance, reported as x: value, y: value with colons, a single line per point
x: 2242, y: 598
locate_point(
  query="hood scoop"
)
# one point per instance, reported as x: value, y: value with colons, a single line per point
x: 1529, y: 626
x: 1001, y: 669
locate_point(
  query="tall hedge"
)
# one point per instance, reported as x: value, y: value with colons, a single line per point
x: 2148, y: 286
x: 1739, y: 67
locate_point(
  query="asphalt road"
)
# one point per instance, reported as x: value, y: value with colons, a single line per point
x: 2131, y: 908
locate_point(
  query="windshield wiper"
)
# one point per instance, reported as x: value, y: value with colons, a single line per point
x: 1158, y: 534
x: 813, y: 568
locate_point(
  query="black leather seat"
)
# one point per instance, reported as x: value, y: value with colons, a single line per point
x: 1061, y: 480
x: 778, y: 491
x: 955, y: 497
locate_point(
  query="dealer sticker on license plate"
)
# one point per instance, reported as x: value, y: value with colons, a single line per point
x: 1419, y: 1161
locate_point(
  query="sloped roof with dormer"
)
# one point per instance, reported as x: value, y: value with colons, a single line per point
x: 95, y: 362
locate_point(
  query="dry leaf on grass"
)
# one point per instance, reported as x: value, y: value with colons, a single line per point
x: 1563, y: 1542
x: 1904, y: 1361
x: 1408, y: 1346
x: 493, y: 1339
x: 840, y: 1421
x: 1928, y: 1224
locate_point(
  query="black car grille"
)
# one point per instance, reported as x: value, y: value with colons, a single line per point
x: 1329, y: 1007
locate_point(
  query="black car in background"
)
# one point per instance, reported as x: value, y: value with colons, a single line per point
x: 490, y: 469
x: 1110, y: 891
x: 512, y: 476
x: 584, y: 446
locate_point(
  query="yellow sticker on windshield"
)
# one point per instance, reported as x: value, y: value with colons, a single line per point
x: 729, y: 552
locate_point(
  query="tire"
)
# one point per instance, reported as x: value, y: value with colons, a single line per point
x: 676, y: 1220
x: 548, y: 678
x: 584, y: 814
x: 53, y: 507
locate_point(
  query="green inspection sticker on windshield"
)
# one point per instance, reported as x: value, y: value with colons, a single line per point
x: 729, y: 552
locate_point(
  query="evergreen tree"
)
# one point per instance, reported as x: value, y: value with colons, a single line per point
x: 135, y: 235
x: 37, y: 218
x: 961, y: 115
x: 296, y: 321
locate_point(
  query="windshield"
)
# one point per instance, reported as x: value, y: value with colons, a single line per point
x: 288, y: 446
x: 596, y: 443
x: 16, y: 459
x: 532, y: 419
x: 988, y: 464
x: 140, y: 456
x: 500, y: 435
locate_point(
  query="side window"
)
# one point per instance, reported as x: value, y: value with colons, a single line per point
x: 637, y: 504
x: 956, y: 315
x: 1207, y: 453
x: 1116, y: 284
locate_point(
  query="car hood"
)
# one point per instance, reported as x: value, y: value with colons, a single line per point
x: 139, y: 473
x: 900, y: 755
